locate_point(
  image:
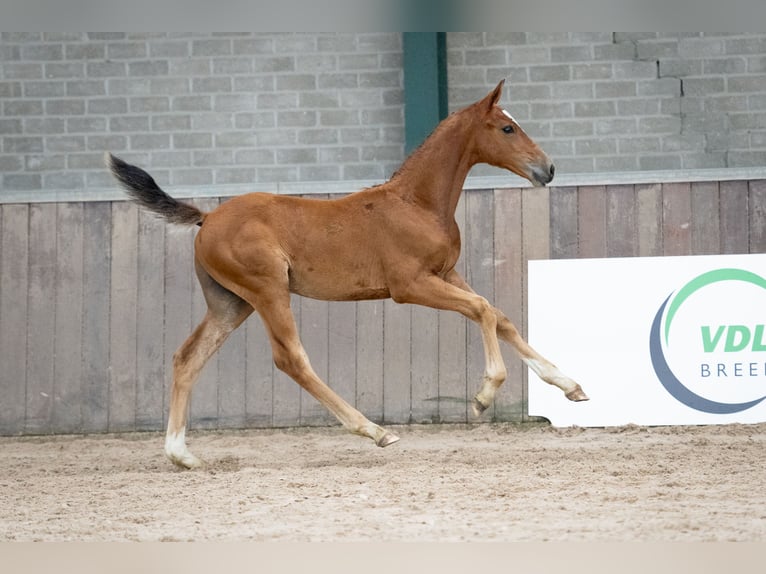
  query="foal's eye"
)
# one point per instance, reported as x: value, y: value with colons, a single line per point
x: 508, y: 129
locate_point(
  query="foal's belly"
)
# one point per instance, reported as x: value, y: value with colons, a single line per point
x: 334, y: 283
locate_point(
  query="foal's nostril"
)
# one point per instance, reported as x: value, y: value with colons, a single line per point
x: 552, y: 170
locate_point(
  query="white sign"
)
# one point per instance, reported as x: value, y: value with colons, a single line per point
x: 652, y: 341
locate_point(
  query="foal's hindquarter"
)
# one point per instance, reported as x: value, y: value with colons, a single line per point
x: 397, y: 240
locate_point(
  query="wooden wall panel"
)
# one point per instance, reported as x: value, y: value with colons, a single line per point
x: 621, y: 221
x: 397, y: 384
x: 122, y: 333
x: 705, y: 225
x: 232, y: 380
x: 424, y: 367
x: 97, y: 253
x: 96, y: 297
x: 150, y: 311
x: 67, y: 368
x: 591, y: 221
x: 649, y: 220
x: 341, y: 350
x: 757, y: 216
x: 733, y: 217
x: 676, y: 219
x: 287, y: 393
x: 41, y: 318
x: 564, y: 223
x: 14, y: 283
x: 369, y: 358
x: 259, y: 377
x: 314, y: 334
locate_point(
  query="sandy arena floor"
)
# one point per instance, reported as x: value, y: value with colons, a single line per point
x: 440, y: 483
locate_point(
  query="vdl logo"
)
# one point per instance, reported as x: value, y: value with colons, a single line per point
x: 707, y: 342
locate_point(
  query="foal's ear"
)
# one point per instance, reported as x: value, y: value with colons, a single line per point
x: 494, y: 96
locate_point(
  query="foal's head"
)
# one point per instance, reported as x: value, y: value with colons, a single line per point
x: 500, y: 141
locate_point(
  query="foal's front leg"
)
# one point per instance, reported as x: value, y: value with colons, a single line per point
x: 542, y: 367
x: 432, y: 291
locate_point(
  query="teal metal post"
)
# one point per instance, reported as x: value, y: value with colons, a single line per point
x: 425, y: 85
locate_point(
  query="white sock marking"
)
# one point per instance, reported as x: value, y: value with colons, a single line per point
x: 175, y: 443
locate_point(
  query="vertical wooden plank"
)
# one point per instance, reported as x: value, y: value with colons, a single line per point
x: 41, y: 317
x: 150, y: 350
x: 14, y: 274
x: 178, y: 298
x: 535, y: 229
x: 453, y: 393
x: 563, y: 222
x: 649, y: 225
x: 341, y: 325
x: 369, y: 359
x: 67, y: 371
x: 425, y: 365
x: 509, y: 277
x: 97, y: 249
x: 204, y: 402
x: 734, y: 209
x: 676, y: 219
x: 479, y: 251
x: 706, y: 227
x: 122, y: 337
x: 259, y: 386
x: 397, y: 384
x: 287, y: 393
x: 315, y: 337
x: 232, y: 380
x: 591, y: 213
x: 758, y: 216
x: 621, y: 221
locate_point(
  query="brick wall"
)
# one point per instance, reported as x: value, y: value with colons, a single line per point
x: 624, y: 101
x: 204, y: 110
x: 199, y: 109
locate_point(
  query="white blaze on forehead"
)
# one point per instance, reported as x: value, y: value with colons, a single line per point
x: 507, y: 113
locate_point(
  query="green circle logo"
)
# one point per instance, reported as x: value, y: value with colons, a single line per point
x: 660, y: 331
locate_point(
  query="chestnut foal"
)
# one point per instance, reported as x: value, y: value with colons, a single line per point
x: 397, y: 240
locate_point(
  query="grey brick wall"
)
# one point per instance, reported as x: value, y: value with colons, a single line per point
x: 624, y: 101
x: 199, y: 109
x: 206, y: 110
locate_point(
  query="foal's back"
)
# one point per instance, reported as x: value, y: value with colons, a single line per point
x: 326, y: 249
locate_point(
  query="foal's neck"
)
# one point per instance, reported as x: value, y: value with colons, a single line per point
x: 433, y: 175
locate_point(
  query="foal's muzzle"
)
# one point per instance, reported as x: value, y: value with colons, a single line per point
x: 543, y: 175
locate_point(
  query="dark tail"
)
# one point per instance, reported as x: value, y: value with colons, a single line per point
x: 142, y: 189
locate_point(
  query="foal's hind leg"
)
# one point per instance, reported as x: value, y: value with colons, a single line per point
x: 272, y: 302
x: 226, y: 311
x: 544, y: 369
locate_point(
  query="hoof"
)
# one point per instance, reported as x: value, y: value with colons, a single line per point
x: 577, y: 394
x: 478, y: 407
x: 387, y: 439
x: 186, y: 461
